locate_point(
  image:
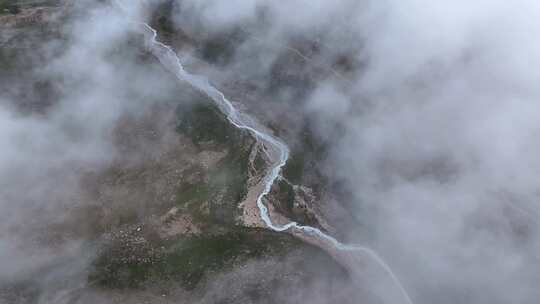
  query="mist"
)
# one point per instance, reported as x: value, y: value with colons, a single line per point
x: 428, y: 113
x: 436, y: 128
x: 50, y: 146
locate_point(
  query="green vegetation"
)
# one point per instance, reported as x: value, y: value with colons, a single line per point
x: 305, y: 158
x: 14, y: 6
x: 228, y: 180
x: 211, y: 198
x: 191, y: 198
x: 221, y: 48
x: 164, y: 17
x: 259, y: 163
x: 9, y: 7
x: 286, y: 196
x: 223, y: 186
x: 8, y: 61
x: 294, y: 169
x: 187, y: 260
x: 203, y: 122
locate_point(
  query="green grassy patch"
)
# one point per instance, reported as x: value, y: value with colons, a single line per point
x: 294, y: 169
x: 187, y: 260
x: 190, y: 199
x: 224, y: 185
x: 202, y: 122
x: 286, y: 196
x: 222, y: 188
x: 228, y: 182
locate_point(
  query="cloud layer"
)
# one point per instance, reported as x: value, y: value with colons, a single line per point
x: 436, y: 110
x: 439, y: 125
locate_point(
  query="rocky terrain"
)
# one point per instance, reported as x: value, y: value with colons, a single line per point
x: 186, y: 151
x: 171, y: 217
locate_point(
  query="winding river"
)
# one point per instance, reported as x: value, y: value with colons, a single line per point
x: 170, y: 61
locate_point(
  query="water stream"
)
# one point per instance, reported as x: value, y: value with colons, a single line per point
x: 170, y: 60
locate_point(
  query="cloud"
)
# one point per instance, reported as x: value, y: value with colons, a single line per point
x: 439, y: 123
x: 94, y: 62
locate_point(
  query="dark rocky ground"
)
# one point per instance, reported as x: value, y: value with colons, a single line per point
x: 160, y: 220
x: 276, y: 97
